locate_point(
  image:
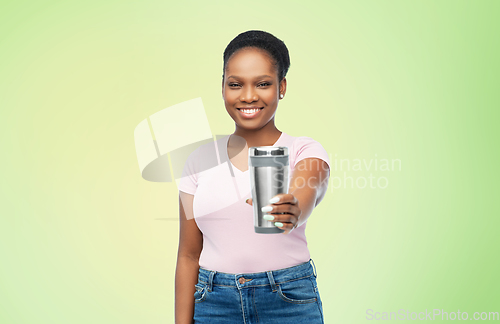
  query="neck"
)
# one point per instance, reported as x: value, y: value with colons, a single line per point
x: 266, y: 136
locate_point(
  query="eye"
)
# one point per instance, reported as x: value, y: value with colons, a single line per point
x: 264, y: 84
x: 233, y: 84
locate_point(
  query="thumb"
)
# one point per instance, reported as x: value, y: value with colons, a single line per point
x: 249, y: 201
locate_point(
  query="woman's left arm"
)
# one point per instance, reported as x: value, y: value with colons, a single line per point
x: 308, y: 185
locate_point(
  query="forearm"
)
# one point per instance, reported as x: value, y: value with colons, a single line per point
x: 309, y: 186
x: 186, y: 277
x: 306, y: 198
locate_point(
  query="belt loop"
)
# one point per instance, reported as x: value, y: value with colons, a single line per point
x: 271, y: 280
x: 211, y: 279
x: 315, y: 273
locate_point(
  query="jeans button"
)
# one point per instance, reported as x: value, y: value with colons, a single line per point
x: 242, y: 280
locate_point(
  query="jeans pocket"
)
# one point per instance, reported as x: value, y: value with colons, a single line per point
x: 201, y: 292
x: 301, y: 291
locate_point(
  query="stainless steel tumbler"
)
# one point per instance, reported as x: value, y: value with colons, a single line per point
x: 268, y: 167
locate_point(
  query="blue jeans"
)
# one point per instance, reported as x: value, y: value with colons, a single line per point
x: 288, y: 295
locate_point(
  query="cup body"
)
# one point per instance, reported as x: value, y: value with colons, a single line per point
x: 269, y: 169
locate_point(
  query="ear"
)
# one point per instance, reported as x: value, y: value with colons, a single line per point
x: 283, y: 86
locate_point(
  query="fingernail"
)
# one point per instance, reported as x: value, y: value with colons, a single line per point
x: 268, y: 217
x: 274, y: 200
x: 278, y: 224
x: 266, y: 209
x: 247, y: 200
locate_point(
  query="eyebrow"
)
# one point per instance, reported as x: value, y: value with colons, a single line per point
x: 257, y: 77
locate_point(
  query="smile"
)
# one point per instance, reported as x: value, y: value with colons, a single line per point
x: 249, y: 113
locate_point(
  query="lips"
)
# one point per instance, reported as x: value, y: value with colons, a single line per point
x: 249, y: 112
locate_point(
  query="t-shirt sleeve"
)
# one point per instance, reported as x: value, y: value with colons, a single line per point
x: 306, y: 147
x: 189, y: 179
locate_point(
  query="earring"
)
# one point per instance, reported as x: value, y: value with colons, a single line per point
x: 281, y: 96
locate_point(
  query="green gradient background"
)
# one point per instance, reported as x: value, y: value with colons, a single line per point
x: 83, y: 236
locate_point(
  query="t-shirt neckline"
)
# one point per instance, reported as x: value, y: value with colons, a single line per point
x: 231, y: 163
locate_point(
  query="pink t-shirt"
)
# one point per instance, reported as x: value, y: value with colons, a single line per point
x: 230, y: 243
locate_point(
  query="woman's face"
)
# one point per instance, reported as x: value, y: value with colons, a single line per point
x: 250, y: 81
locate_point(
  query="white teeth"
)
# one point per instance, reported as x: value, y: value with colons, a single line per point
x: 250, y: 111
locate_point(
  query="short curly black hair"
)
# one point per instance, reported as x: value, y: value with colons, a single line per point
x: 275, y: 47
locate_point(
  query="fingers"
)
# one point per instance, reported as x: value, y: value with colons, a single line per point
x: 285, y: 222
x: 281, y: 209
x: 279, y: 199
x: 283, y: 198
x: 287, y: 227
x: 283, y: 218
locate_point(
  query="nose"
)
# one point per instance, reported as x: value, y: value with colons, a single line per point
x: 248, y: 94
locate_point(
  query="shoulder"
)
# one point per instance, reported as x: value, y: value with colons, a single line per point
x: 305, y: 140
x: 301, y: 143
x: 303, y: 147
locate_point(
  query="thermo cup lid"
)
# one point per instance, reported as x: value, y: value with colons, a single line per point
x: 268, y: 151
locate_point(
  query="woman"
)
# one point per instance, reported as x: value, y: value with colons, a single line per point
x: 227, y: 273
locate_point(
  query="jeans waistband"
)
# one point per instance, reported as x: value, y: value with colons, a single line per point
x: 240, y: 280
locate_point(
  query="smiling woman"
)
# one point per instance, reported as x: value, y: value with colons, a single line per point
x: 251, y: 90
x: 226, y: 272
